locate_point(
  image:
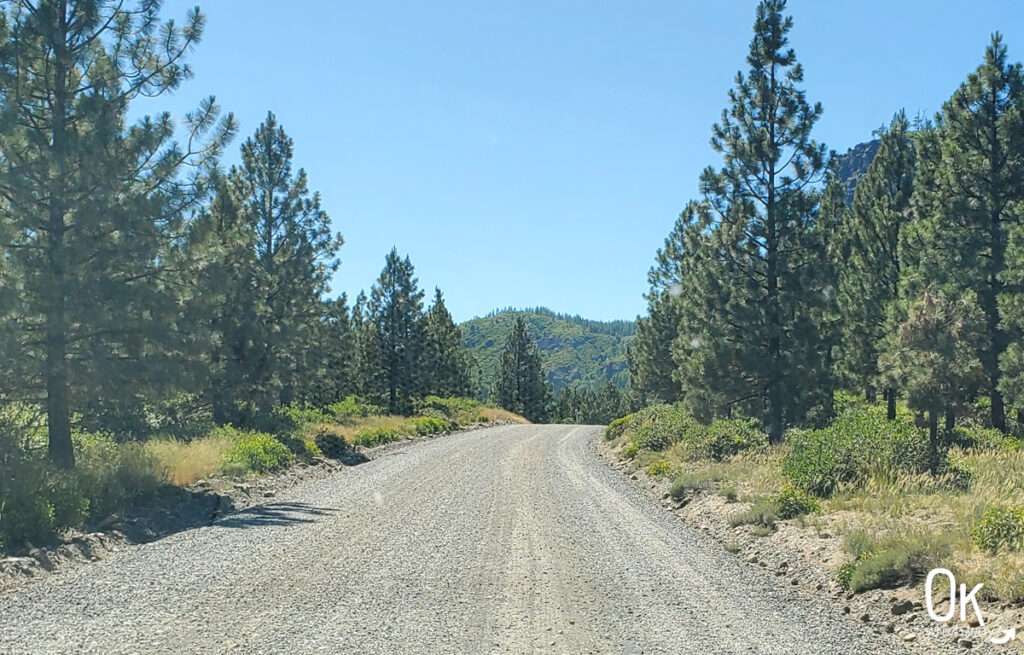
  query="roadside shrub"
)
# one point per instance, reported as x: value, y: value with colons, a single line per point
x: 892, y: 560
x: 686, y: 483
x: 617, y: 427
x: 762, y: 513
x: 792, y: 502
x: 37, y: 501
x: 855, y: 445
x: 659, y: 427
x: 659, y: 468
x: 725, y: 437
x: 257, y: 452
x: 1000, y: 529
x: 423, y: 426
x: 352, y: 408
x: 304, y: 447
x: 370, y: 437
x: 730, y: 494
x: 984, y: 439
x: 662, y: 426
x: 630, y: 451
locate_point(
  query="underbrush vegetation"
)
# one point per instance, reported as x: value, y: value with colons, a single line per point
x: 37, y: 501
x: 853, y: 447
x: 661, y: 427
x: 900, y: 509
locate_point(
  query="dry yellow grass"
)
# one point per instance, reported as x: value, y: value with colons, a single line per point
x: 493, y: 414
x: 185, y: 462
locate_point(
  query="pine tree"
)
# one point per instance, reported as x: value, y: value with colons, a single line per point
x: 277, y: 240
x: 369, y: 376
x: 396, y: 309
x: 971, y: 206
x: 748, y: 338
x: 934, y: 355
x: 330, y: 364
x: 94, y: 205
x: 871, y: 260
x: 651, y: 365
x: 521, y: 385
x: 447, y: 366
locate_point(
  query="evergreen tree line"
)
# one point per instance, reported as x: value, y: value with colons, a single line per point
x: 772, y: 292
x: 141, y: 284
x: 590, y: 405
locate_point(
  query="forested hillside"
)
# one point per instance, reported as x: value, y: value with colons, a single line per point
x: 572, y: 348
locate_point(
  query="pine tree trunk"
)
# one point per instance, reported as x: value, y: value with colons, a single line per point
x: 774, y: 422
x: 950, y: 418
x: 890, y: 404
x: 870, y: 394
x: 58, y: 409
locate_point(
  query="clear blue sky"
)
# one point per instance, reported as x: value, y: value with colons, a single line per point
x: 538, y: 152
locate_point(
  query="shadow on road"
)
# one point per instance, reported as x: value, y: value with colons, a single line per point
x: 275, y: 514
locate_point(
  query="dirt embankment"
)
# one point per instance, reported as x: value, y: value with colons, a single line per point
x: 808, y: 557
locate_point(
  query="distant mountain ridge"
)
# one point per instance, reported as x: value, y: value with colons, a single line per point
x: 572, y: 348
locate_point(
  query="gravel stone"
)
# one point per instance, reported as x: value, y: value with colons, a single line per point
x: 480, y: 542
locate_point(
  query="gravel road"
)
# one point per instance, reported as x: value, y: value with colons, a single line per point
x: 515, y: 539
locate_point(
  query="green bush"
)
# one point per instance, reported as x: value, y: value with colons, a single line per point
x: 658, y: 427
x: 726, y: 437
x: 1000, y: 529
x: 617, y: 427
x: 890, y: 561
x: 630, y: 451
x: 299, y: 445
x: 257, y: 452
x: 792, y: 502
x: 370, y: 437
x: 661, y: 426
x: 37, y: 501
x: 352, y: 408
x: 984, y: 438
x: 423, y: 426
x: 113, y: 475
x: 854, y: 445
x: 659, y: 468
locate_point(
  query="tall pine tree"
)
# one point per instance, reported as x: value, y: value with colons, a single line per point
x: 521, y: 385
x: 971, y: 205
x: 447, y: 366
x: 396, y: 310
x: 278, y: 241
x: 872, y: 263
x: 94, y: 204
x: 748, y: 336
